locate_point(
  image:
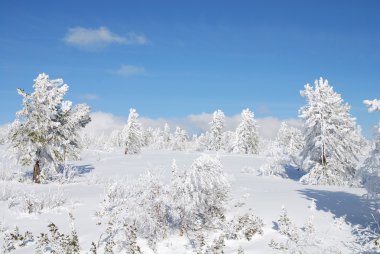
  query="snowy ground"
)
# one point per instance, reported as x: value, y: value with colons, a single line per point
x: 336, y: 207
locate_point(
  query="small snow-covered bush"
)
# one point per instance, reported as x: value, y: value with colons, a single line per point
x: 36, y: 203
x: 301, y: 239
x: 15, y: 240
x: 244, y: 226
x: 143, y: 204
x: 200, y: 194
x: 56, y: 242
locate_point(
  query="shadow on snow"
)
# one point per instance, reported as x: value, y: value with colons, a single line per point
x: 357, y: 210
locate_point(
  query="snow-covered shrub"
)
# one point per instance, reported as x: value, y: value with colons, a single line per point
x: 332, y: 138
x: 367, y: 239
x: 290, y: 142
x: 15, y: 240
x: 275, y: 165
x: 247, y: 139
x: 301, y: 239
x: 180, y: 139
x: 56, y: 242
x: 200, y: 194
x: 228, y: 141
x: 244, y: 226
x: 217, y: 246
x: 30, y: 202
x: 142, y: 203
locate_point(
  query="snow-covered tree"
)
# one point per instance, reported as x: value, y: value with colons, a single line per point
x: 332, y: 138
x: 290, y: 142
x: 167, y: 136
x: 200, y: 194
x: 247, y: 138
x: 46, y: 129
x: 216, y: 130
x: 180, y: 139
x: 370, y: 172
x: 132, y: 134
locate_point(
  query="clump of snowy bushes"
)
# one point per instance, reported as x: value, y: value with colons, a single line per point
x: 303, y: 239
x: 31, y: 202
x: 194, y: 201
x: 14, y: 240
x: 50, y: 242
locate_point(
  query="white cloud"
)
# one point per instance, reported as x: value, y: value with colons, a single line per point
x: 130, y: 70
x: 100, y: 37
x: 102, y: 122
x: 195, y: 123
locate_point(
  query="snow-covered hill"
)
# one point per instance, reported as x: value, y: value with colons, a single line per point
x: 333, y: 209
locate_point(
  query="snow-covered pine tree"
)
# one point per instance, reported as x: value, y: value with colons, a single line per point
x: 45, y: 132
x: 216, y: 130
x: 247, y: 138
x: 290, y: 142
x: 167, y: 136
x: 132, y: 134
x: 180, y: 139
x: 370, y: 172
x: 332, y: 138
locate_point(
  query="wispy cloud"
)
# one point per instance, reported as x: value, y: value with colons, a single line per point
x: 90, y: 96
x: 100, y: 37
x: 130, y: 70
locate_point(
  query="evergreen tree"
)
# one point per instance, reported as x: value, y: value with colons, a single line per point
x: 180, y: 139
x: 247, y: 138
x: 167, y: 136
x: 132, y: 134
x: 371, y: 168
x: 46, y: 129
x: 332, y: 139
x: 290, y: 143
x: 216, y: 129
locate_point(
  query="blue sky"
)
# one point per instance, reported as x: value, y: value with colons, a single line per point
x: 171, y: 59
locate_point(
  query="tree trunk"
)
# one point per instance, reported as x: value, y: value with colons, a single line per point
x: 36, y: 172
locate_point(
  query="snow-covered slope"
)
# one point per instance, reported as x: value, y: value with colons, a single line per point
x: 335, y: 207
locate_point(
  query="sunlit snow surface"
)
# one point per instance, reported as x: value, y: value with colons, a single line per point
x: 265, y: 195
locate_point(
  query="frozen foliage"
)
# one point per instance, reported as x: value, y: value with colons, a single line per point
x: 370, y: 171
x: 200, y: 194
x: 373, y: 105
x: 46, y: 129
x: 300, y: 239
x: 195, y: 200
x: 180, y: 139
x: 247, y: 138
x: 4, y: 134
x: 332, y: 139
x: 244, y: 227
x: 142, y: 204
x: 56, y: 242
x: 290, y: 142
x: 367, y: 239
x: 216, y: 130
x: 275, y: 162
x: 30, y: 202
x: 132, y: 135
x: 15, y: 240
